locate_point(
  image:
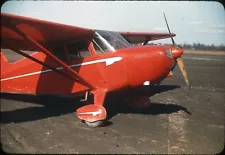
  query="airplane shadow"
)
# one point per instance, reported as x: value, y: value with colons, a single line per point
x: 53, y: 106
x: 116, y: 105
x: 48, y: 106
x: 154, y: 109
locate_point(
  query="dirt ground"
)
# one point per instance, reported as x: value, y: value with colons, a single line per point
x: 178, y: 121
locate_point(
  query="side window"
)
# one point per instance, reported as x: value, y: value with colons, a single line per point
x: 78, y: 50
x: 60, y: 53
x: 12, y: 56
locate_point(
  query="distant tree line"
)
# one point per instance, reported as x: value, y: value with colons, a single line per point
x: 198, y: 46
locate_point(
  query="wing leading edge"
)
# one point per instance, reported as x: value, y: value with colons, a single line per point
x: 44, y: 32
x: 140, y: 37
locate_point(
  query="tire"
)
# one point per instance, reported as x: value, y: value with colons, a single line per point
x: 94, y: 124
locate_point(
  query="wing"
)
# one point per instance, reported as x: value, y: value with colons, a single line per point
x: 140, y: 37
x: 23, y: 33
x: 44, y: 32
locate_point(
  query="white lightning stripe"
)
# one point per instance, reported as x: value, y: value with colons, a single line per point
x: 94, y: 113
x: 24, y: 75
x: 108, y: 61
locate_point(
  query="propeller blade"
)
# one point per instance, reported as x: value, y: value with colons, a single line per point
x: 179, y: 60
x: 183, y: 71
x: 169, y: 30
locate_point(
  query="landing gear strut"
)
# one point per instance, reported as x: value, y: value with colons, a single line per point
x: 94, y: 114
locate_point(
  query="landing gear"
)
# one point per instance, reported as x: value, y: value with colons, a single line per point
x: 94, y: 124
x: 95, y: 114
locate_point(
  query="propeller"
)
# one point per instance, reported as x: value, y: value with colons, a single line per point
x: 176, y: 52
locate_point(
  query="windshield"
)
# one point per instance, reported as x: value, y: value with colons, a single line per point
x: 106, y: 41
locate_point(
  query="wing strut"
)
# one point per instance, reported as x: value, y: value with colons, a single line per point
x: 48, y: 53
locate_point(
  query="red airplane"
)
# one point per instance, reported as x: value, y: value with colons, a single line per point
x: 80, y: 61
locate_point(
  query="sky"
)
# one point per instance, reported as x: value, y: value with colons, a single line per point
x: 192, y: 22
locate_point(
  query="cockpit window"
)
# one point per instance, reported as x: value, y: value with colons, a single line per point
x: 106, y: 41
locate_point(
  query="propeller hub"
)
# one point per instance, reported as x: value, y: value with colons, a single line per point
x: 177, y: 52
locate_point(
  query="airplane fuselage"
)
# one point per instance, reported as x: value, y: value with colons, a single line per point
x: 128, y: 67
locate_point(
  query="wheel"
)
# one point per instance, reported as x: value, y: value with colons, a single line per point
x: 95, y: 124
